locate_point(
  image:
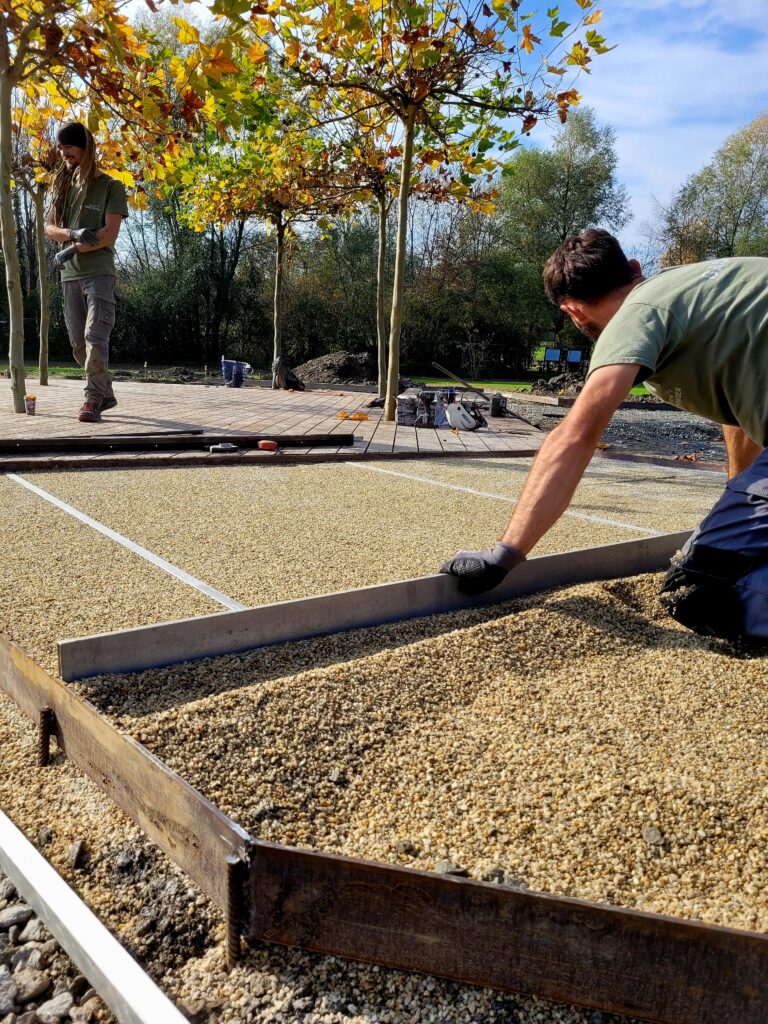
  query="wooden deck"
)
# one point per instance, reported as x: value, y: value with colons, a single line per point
x: 147, y: 408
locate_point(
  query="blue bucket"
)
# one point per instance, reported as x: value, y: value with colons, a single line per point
x: 234, y: 372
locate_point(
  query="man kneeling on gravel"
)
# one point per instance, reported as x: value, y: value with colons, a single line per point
x: 697, y: 337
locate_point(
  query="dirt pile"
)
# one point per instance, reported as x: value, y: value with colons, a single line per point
x: 339, y: 368
x: 568, y: 384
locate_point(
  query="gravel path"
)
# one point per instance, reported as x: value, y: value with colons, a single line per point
x: 660, y: 431
x: 445, y: 696
x: 39, y: 984
x: 264, y: 534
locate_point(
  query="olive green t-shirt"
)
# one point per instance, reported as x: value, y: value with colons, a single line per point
x: 89, y: 209
x: 701, y: 333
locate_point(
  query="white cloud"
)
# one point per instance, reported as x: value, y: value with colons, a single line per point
x: 685, y: 76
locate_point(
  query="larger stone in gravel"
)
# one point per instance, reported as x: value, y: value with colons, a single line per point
x: 7, y: 991
x: 17, y: 913
x: 28, y: 957
x: 55, y: 1009
x: 7, y: 889
x: 30, y: 984
x: 35, y: 931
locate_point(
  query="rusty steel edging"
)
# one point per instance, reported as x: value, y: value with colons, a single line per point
x: 175, y: 816
x: 624, y: 961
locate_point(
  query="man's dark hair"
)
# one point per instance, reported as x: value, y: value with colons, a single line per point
x: 587, y: 267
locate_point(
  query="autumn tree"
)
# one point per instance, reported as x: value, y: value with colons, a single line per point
x: 549, y: 194
x: 34, y: 159
x: 722, y: 210
x: 267, y: 172
x: 452, y: 73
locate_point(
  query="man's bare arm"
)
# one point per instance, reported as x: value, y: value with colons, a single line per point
x: 53, y: 231
x: 565, y: 454
x: 740, y: 449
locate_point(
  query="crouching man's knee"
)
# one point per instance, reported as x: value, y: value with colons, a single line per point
x: 718, y: 593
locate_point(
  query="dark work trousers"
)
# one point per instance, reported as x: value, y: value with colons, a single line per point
x: 89, y: 312
x: 719, y: 583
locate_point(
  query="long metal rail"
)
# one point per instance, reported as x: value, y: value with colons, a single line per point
x: 129, y: 650
x: 188, y: 441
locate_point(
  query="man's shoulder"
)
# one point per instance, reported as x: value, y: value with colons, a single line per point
x: 106, y: 181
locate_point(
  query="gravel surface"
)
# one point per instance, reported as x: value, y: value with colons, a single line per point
x: 659, y: 431
x: 625, y: 765
x: 178, y: 936
x: 62, y: 579
x: 458, y: 707
x: 39, y: 984
x: 264, y: 534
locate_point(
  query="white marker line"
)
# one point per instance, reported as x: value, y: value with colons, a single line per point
x: 502, y: 497
x: 161, y: 563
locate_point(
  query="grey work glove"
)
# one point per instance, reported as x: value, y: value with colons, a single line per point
x: 64, y: 256
x: 478, y: 571
x: 89, y: 236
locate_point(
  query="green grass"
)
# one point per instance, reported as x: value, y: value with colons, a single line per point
x: 70, y: 370
x: 484, y: 385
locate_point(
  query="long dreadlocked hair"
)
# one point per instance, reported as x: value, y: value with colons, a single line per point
x: 64, y: 178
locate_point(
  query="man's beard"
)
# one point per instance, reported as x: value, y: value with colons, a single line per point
x: 590, y: 329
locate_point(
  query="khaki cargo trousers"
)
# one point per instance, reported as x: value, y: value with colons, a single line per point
x: 89, y: 313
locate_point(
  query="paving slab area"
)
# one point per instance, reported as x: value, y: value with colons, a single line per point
x: 147, y: 407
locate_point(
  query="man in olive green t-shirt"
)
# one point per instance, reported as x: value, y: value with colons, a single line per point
x: 87, y: 210
x: 697, y: 335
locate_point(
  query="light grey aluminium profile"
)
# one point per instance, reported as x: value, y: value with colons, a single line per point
x: 167, y: 643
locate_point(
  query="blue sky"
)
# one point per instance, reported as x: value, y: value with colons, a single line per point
x: 685, y: 75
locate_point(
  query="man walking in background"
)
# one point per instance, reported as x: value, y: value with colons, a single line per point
x: 87, y: 209
x: 697, y: 336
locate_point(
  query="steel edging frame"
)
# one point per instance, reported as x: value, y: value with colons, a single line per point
x: 128, y: 991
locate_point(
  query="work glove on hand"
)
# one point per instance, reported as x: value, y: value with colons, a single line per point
x: 64, y: 256
x: 478, y: 571
x: 86, y: 235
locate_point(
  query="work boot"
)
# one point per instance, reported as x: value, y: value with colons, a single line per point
x: 89, y: 413
x: 109, y: 403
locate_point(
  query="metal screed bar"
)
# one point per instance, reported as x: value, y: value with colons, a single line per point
x: 129, y: 650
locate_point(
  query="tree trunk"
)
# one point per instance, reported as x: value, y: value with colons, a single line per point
x: 10, y: 252
x: 42, y: 282
x: 277, y: 354
x: 393, y: 371
x: 381, y: 312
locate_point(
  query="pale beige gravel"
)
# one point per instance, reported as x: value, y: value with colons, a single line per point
x: 660, y: 498
x: 578, y: 743
x: 266, y: 534
x: 183, y: 950
x: 62, y: 579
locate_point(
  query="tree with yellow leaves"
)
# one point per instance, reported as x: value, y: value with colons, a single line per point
x: 452, y: 72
